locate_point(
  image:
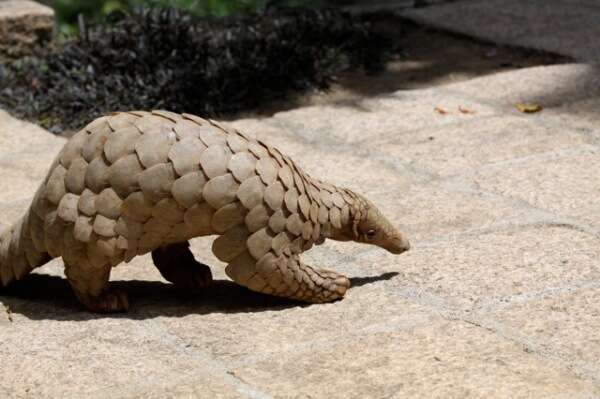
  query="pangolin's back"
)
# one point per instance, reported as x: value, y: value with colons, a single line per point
x: 130, y: 182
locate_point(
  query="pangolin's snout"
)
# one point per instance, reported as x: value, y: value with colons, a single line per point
x: 398, y: 245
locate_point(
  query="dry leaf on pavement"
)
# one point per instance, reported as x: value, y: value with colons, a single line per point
x: 528, y: 108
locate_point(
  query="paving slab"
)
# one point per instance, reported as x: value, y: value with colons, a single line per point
x: 470, y: 270
x: 440, y: 360
x: 546, y: 180
x: 501, y: 209
x: 564, y: 27
x: 25, y: 27
x: 91, y: 359
x: 548, y: 86
x: 14, y: 186
x: 566, y: 323
x: 381, y: 117
x: 17, y: 136
x: 459, y: 148
x: 580, y: 116
x: 298, y: 328
x: 434, y: 210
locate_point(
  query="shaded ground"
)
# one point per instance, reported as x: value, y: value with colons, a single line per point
x: 568, y: 27
x: 153, y: 298
x: 429, y: 58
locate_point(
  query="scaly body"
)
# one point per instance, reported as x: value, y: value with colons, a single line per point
x: 138, y: 182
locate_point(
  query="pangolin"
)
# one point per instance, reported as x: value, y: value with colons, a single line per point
x: 131, y: 183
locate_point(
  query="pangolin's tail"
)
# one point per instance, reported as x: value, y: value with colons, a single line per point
x: 19, y: 254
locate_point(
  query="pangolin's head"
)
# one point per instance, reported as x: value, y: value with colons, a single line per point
x: 368, y: 225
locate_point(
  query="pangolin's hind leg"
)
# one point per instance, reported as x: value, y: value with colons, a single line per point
x: 92, y: 288
x: 287, y: 276
x: 176, y: 263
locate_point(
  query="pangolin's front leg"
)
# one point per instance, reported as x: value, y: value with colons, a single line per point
x: 283, y: 274
x: 176, y: 264
x: 287, y: 276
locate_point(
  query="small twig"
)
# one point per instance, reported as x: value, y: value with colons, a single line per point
x: 8, y: 313
x: 82, y: 27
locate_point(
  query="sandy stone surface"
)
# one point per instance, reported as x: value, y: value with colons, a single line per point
x: 498, y: 297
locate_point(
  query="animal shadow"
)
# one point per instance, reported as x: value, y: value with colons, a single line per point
x: 42, y: 297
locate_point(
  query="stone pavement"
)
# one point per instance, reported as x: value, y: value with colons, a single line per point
x: 499, y: 296
x: 25, y: 27
x: 567, y: 27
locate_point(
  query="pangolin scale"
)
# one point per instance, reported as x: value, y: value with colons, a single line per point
x: 131, y: 183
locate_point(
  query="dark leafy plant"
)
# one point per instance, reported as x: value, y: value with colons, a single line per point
x: 157, y: 58
x: 67, y: 11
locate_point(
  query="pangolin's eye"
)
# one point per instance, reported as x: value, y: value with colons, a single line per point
x: 371, y: 234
